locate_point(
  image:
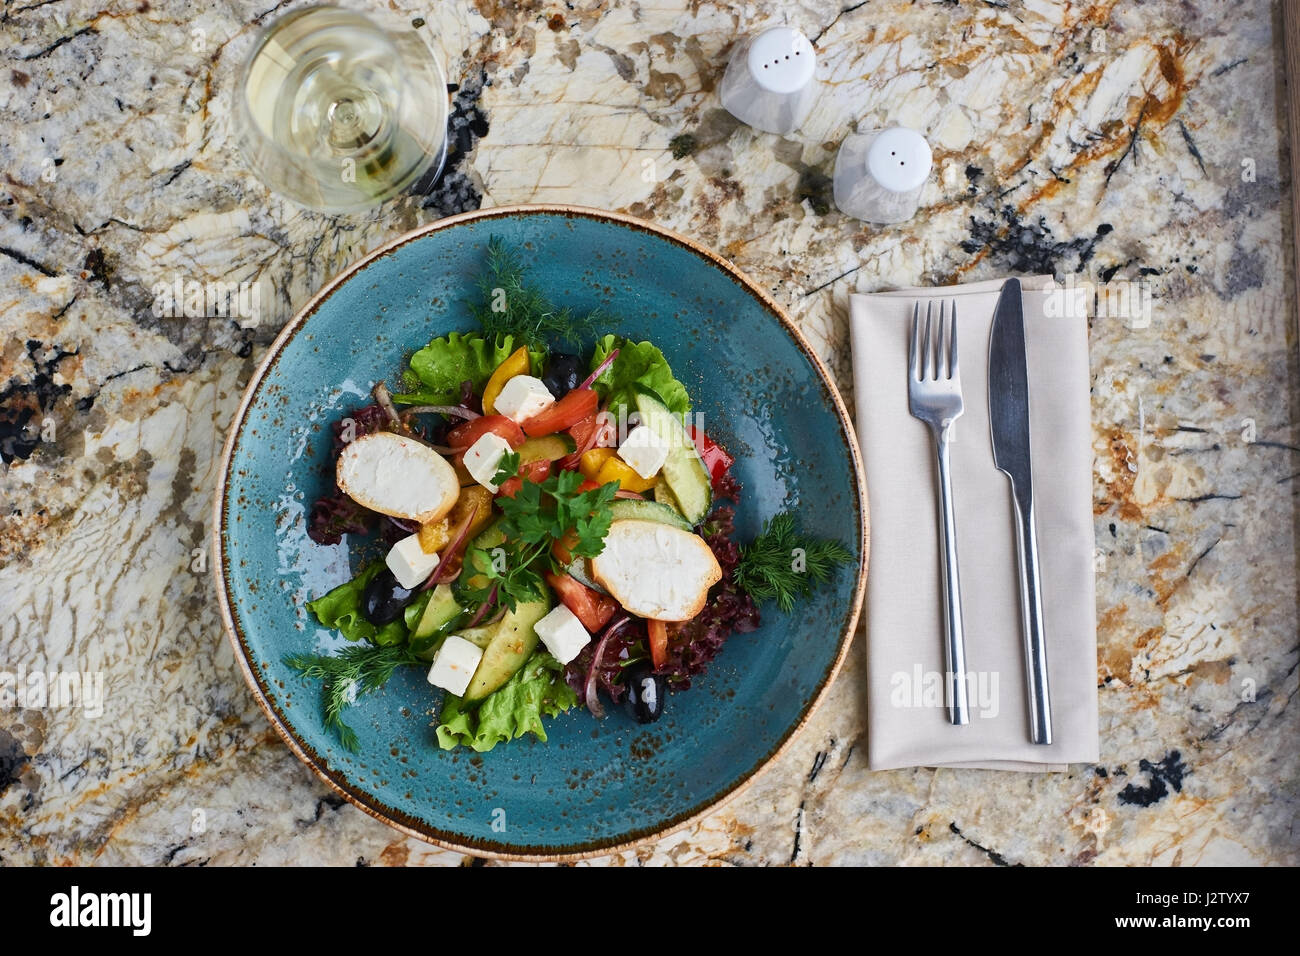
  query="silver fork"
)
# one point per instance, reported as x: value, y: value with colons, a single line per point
x: 934, y: 396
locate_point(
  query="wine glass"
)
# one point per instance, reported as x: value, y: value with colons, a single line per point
x: 338, y: 110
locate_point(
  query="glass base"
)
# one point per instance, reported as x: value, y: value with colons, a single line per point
x: 428, y: 180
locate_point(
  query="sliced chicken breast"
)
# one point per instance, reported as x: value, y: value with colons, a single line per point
x: 655, y: 570
x: 397, y: 476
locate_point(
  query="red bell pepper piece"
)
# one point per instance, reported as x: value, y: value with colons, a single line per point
x: 716, y: 459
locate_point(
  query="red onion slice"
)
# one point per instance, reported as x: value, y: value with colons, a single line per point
x: 591, y: 693
x: 385, y: 401
x: 439, y: 574
x: 600, y: 369
x: 478, y: 615
x: 455, y: 411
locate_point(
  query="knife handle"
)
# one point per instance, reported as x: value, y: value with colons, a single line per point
x: 1031, y: 619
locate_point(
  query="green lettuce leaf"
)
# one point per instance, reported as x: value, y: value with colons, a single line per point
x: 341, y: 610
x: 538, y: 690
x: 438, y: 369
x: 638, y: 363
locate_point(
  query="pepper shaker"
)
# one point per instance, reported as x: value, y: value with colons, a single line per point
x: 769, y: 80
x: 879, y: 174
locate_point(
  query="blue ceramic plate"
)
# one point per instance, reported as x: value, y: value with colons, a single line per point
x: 596, y: 786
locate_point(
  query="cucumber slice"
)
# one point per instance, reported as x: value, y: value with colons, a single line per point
x: 481, y: 636
x: 512, y: 641
x: 684, y: 471
x: 580, y: 572
x: 548, y: 447
x: 438, y: 620
x: 666, y: 497
x: 487, y: 539
x: 648, y: 511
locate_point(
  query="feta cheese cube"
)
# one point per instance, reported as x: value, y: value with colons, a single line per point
x: 562, y: 633
x: 644, y: 451
x: 523, y: 397
x: 483, y: 457
x: 409, y: 562
x: 455, y: 665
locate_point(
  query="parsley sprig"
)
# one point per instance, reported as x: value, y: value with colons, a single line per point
x: 539, y: 514
x: 354, y: 672
x: 511, y: 306
x: 784, y: 565
x: 507, y: 468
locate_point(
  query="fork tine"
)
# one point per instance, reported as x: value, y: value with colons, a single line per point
x: 939, y: 360
x: 952, y: 345
x: 914, y: 350
x: 928, y: 344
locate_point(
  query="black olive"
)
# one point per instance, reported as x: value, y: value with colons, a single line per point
x: 384, y: 599
x: 563, y: 374
x: 646, y: 693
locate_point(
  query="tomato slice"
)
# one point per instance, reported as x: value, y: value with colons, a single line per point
x: 591, y: 608
x: 565, y: 413
x: 464, y: 436
x: 584, y: 430
x: 715, y: 457
x: 658, y: 633
x: 562, y: 548
x: 534, y: 471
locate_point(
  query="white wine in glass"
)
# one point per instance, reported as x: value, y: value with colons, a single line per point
x: 339, y: 111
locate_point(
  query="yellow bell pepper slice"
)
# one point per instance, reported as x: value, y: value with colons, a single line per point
x: 435, y: 535
x: 469, y: 498
x: 614, y: 469
x: 591, y: 461
x: 518, y: 363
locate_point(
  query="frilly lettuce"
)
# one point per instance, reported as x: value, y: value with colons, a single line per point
x: 538, y: 690
x: 638, y: 363
x: 341, y: 610
x: 438, y: 369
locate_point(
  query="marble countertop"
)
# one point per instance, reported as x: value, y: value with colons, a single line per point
x: 1136, y: 145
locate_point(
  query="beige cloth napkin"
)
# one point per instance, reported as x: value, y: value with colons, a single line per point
x: 908, y: 724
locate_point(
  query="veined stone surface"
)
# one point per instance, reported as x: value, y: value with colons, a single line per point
x: 1113, y: 142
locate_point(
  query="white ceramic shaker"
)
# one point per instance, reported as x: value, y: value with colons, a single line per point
x: 769, y: 80
x: 879, y: 175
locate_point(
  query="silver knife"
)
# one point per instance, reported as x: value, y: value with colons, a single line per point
x: 1009, y: 422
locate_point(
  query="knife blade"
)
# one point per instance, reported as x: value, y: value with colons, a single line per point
x: 1008, y: 383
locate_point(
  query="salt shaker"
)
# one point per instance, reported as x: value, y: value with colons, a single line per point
x: 879, y: 175
x: 769, y: 80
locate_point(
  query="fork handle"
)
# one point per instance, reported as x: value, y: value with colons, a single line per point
x: 954, y: 633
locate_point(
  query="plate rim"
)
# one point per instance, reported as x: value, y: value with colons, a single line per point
x: 368, y: 803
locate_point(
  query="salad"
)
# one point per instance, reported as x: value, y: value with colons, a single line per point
x: 551, y: 527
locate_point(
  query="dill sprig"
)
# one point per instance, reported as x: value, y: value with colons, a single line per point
x: 510, y: 306
x: 354, y: 672
x: 784, y: 565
